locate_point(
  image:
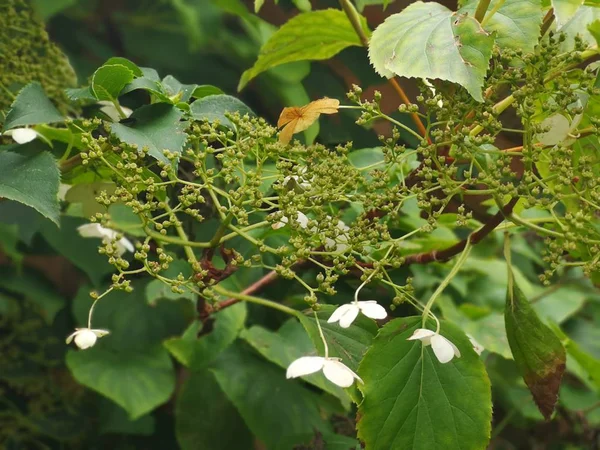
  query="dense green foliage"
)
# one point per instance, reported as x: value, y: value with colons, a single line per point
x: 425, y: 274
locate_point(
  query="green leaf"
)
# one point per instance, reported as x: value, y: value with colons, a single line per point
x: 31, y: 107
x: 594, y: 29
x: 199, y: 398
x: 114, y: 419
x: 310, y: 36
x: 83, y: 252
x: 27, y: 219
x: 350, y: 344
x: 411, y: 400
x: 289, y: 343
x: 288, y: 411
x: 124, y: 219
x: 9, y: 239
x: 196, y: 353
x: 48, y: 8
x: 516, y: 24
x: 80, y: 94
x: 156, y: 290
x: 174, y: 88
x: 205, y: 90
x: 565, y: 9
x: 156, y: 127
x: 137, y: 72
x: 138, y: 382
x: 214, y: 107
x: 578, y: 25
x: 31, y: 178
x: 109, y: 80
x: 438, y: 43
x: 538, y: 353
x: 86, y: 193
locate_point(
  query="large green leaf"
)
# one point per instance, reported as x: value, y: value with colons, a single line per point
x: 276, y: 410
x: 137, y: 381
x: 31, y: 107
x: 157, y: 127
x: 109, y: 80
x: 565, y: 9
x: 308, y: 36
x: 195, y: 352
x: 31, y: 178
x: 214, y: 107
x: 413, y: 401
x: 427, y: 40
x: 538, y: 353
x: 516, y: 24
x: 289, y: 343
x: 578, y: 25
x: 201, y: 398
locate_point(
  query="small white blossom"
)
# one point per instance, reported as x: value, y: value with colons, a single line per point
x: 298, y: 180
x: 476, y: 345
x: 333, y: 369
x: 86, y: 337
x: 443, y: 349
x: 301, y: 219
x: 110, y: 110
x: 340, y: 243
x: 346, y: 314
x: 107, y: 235
x: 21, y: 135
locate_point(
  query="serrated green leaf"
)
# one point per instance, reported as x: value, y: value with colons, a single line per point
x: 31, y: 178
x: 214, y: 107
x: 80, y: 94
x: 109, y: 80
x: 197, y: 353
x: 202, y: 397
x: 288, y: 411
x: 411, y: 400
x: 538, y: 353
x: 438, y: 42
x: 564, y: 10
x: 157, y: 127
x: 138, y: 382
x: 308, y: 36
x: 137, y: 72
x: 516, y: 24
x: 31, y: 107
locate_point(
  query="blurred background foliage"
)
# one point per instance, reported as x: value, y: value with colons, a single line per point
x: 46, y: 273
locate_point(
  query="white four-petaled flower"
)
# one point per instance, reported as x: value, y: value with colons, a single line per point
x: 443, y: 349
x: 21, y: 135
x: 107, y: 235
x: 86, y: 337
x: 346, y: 314
x: 333, y: 369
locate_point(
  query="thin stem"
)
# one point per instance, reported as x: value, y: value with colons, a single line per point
x: 493, y: 11
x: 325, y: 347
x: 94, y: 305
x: 482, y: 7
x: 257, y: 300
x: 547, y: 22
x: 181, y: 233
x: 461, y: 260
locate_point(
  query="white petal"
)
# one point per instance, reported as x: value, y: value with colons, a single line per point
x: 337, y: 372
x: 339, y: 312
x: 124, y: 245
x: 62, y: 191
x: 22, y: 135
x: 100, y: 333
x: 305, y: 366
x: 476, y: 345
x: 72, y: 335
x: 85, y: 338
x: 91, y: 230
x: 422, y: 334
x: 302, y: 220
x: 282, y: 222
x: 372, y: 309
x: 443, y: 349
x: 349, y: 316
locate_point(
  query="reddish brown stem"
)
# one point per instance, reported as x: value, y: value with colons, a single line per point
x: 253, y: 288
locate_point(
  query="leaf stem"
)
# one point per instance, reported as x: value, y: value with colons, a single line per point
x: 493, y: 11
x: 482, y: 7
x: 257, y: 300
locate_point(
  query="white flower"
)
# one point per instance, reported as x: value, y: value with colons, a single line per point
x: 443, y: 349
x: 333, y: 369
x: 301, y: 219
x: 86, y: 337
x: 21, y: 135
x: 346, y: 314
x: 340, y: 243
x: 110, y: 110
x: 62, y: 191
x: 107, y: 235
x: 298, y: 180
x: 476, y: 345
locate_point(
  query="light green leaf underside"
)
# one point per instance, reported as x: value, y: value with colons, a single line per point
x: 412, y: 401
x: 516, y: 24
x: 31, y: 107
x: 138, y: 382
x: 427, y: 40
x: 31, y: 179
x: 310, y: 36
x: 564, y: 9
x: 578, y: 25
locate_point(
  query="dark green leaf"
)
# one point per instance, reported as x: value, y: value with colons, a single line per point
x: 31, y: 107
x: 201, y: 397
x: 174, y: 88
x: 124, y: 219
x: 156, y: 127
x: 205, y: 90
x: 537, y: 350
x: 27, y: 219
x: 32, y: 179
x: 109, y: 80
x: 214, y: 107
x: 411, y: 400
x: 308, y: 36
x: 114, y: 419
x: 139, y: 382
